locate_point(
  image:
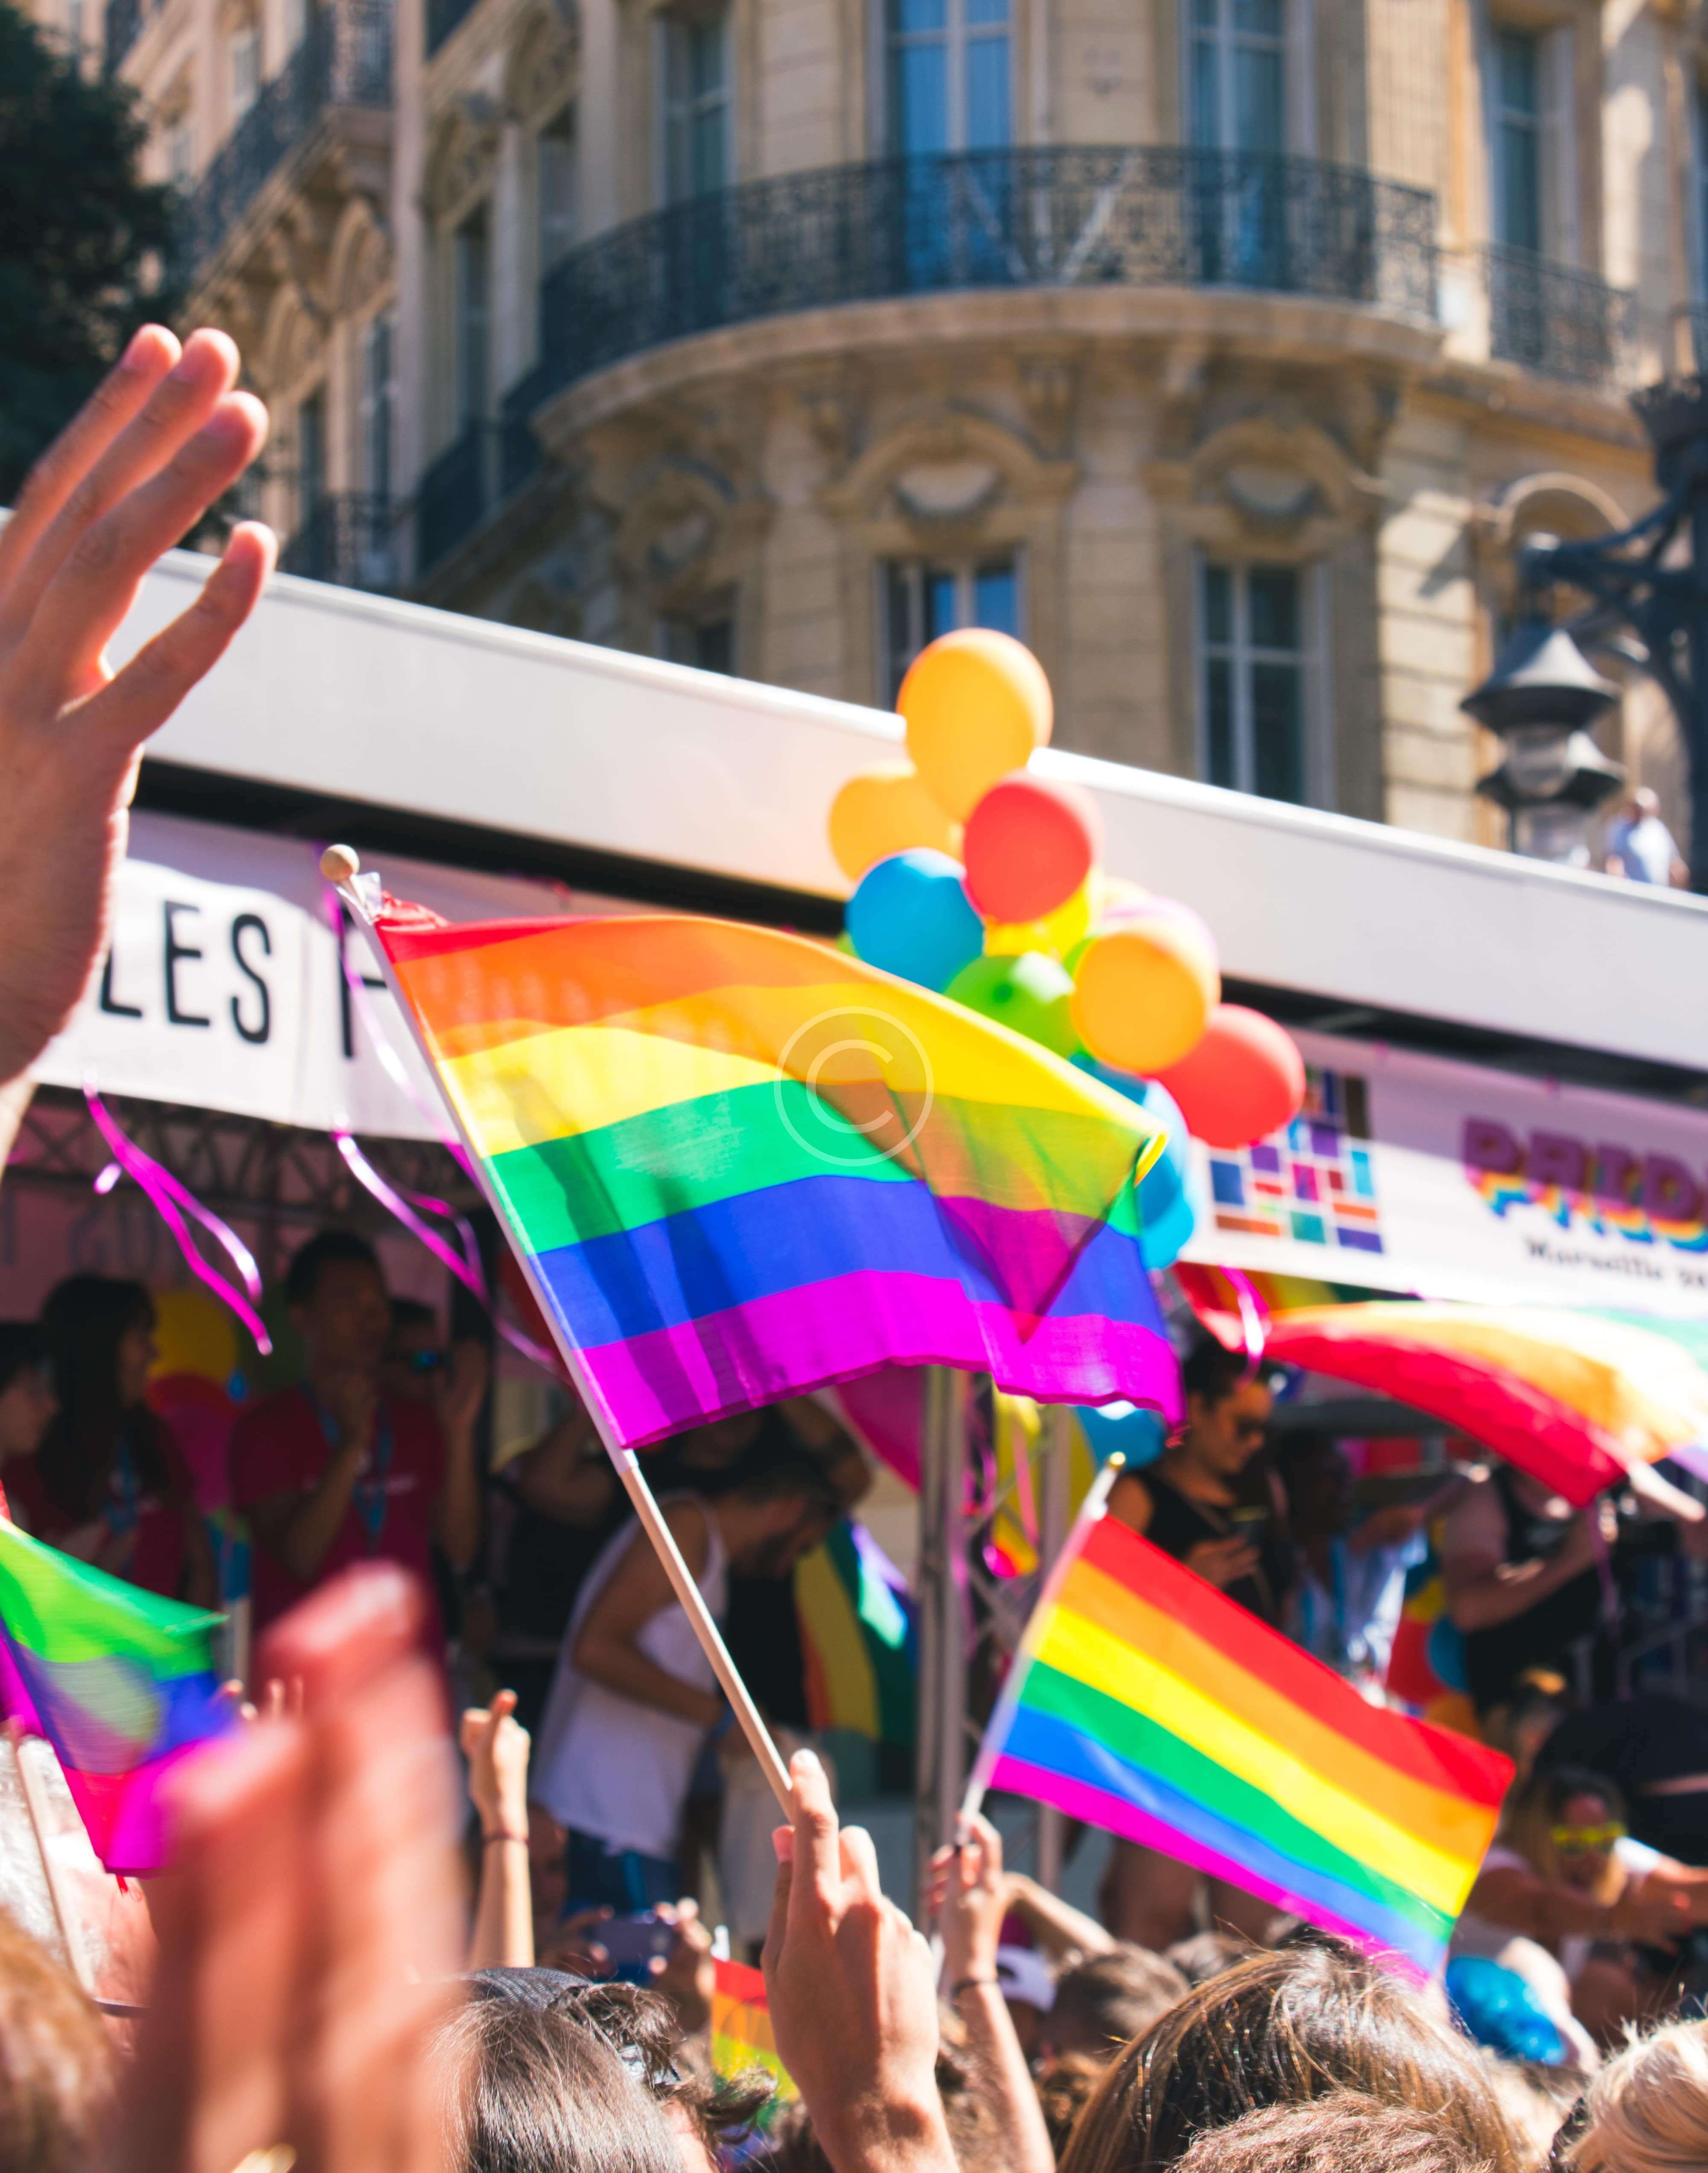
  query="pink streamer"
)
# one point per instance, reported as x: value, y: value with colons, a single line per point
x: 165, y: 1195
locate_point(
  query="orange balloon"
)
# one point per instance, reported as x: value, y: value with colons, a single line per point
x: 976, y: 705
x: 1143, y: 993
x: 1245, y: 1079
x: 885, y: 812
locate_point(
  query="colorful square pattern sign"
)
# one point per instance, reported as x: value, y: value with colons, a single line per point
x: 1313, y: 1181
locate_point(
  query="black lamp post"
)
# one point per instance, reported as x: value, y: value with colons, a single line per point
x: 1542, y: 698
x: 1639, y: 582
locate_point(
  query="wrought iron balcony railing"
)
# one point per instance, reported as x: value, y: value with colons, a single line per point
x: 344, y: 59
x: 1556, y: 320
x: 124, y: 20
x: 1075, y: 217
x: 472, y: 478
x: 350, y: 539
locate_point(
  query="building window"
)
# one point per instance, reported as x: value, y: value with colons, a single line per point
x: 555, y: 149
x: 180, y: 151
x: 1519, y: 140
x: 312, y: 456
x: 949, y: 76
x: 920, y: 601
x: 1255, y: 674
x: 378, y: 401
x: 708, y: 644
x: 1237, y: 74
x: 697, y: 106
x: 473, y: 258
x: 246, y: 70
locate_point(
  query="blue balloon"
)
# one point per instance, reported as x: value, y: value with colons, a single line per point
x: 1165, y: 1196
x: 1138, y: 1434
x: 1499, y: 2008
x: 910, y: 914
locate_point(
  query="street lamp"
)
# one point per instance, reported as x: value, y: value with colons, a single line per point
x: 1542, y: 698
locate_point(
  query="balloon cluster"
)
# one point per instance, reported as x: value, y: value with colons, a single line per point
x: 977, y: 877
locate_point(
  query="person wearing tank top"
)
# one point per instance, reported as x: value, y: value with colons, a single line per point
x: 633, y: 1698
x: 1191, y: 1503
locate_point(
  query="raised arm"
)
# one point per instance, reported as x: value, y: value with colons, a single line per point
x: 607, y: 1650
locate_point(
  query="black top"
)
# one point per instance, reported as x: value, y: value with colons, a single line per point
x: 1543, y: 1635
x: 1177, y: 1524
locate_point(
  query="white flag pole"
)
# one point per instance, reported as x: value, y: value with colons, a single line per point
x: 341, y: 869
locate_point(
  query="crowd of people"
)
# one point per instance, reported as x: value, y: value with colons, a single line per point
x: 348, y: 1975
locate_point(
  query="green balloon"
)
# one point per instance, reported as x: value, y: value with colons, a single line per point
x: 1031, y: 995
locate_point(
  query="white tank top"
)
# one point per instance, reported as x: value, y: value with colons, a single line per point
x: 605, y: 1765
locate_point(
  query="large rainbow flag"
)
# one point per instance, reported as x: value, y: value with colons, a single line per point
x: 742, y: 2036
x: 1145, y: 1701
x: 120, y: 1683
x: 741, y: 1164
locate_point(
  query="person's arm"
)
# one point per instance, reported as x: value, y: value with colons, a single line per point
x: 497, y: 1751
x: 832, y: 1446
x: 456, y: 1515
x: 567, y: 1475
x: 298, y: 1529
x: 606, y: 1651
x: 1057, y: 1925
x: 1529, y: 1905
x: 1483, y: 1589
x: 968, y: 1895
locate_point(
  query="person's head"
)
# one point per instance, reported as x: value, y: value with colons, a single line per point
x: 1227, y: 1408
x: 776, y: 1514
x: 1564, y: 1822
x: 413, y: 1354
x: 1284, y: 2028
x: 56, y: 2065
x: 338, y: 1306
x: 1028, y: 1988
x: 1206, y: 1955
x: 526, y: 2089
x: 1535, y: 2099
x: 1104, y: 2002
x: 100, y: 1334
x: 1318, y: 1480
x: 1647, y: 2111
x: 1645, y: 802
x: 1522, y: 1723
x: 27, y: 1398
x: 1346, y: 2132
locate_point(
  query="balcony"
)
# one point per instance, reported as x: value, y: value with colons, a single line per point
x: 484, y: 467
x: 1078, y: 217
x: 1557, y: 321
x: 349, y: 539
x: 343, y: 61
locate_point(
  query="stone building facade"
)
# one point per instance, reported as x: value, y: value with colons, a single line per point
x: 1222, y: 349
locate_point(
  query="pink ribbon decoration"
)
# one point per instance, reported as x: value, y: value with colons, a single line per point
x: 165, y: 1195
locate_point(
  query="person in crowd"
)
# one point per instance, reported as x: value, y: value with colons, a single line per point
x: 58, y: 2069
x: 495, y: 1752
x: 1564, y: 1873
x: 1536, y: 2099
x: 1281, y: 2029
x: 335, y: 1471
x: 28, y: 1405
x: 1640, y: 847
x: 413, y: 1359
x: 108, y: 1484
x: 1349, y: 1577
x: 1647, y: 2111
x: 1104, y: 2002
x: 1655, y: 1747
x: 1190, y: 1504
x: 1206, y: 1955
x: 634, y: 1697
x: 1346, y: 2132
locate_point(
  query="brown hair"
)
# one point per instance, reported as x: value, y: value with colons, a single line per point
x: 641, y: 2028
x: 1103, y: 2002
x: 1347, y: 2133
x: 1283, y: 2028
x: 1206, y: 1955
x: 57, y: 2068
x: 1065, y: 2086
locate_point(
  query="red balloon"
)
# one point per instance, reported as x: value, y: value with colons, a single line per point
x: 1245, y: 1079
x: 1030, y: 843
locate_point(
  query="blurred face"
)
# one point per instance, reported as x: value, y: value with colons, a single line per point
x: 136, y: 1356
x: 411, y: 1360
x: 1227, y: 1436
x: 346, y: 1325
x: 27, y: 1403
x: 1583, y: 1841
x: 715, y: 1447
x: 781, y: 1534
x: 1319, y: 1491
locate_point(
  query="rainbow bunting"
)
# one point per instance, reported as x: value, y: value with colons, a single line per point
x: 741, y: 2033
x: 119, y: 1682
x: 1145, y: 1701
x: 739, y: 1164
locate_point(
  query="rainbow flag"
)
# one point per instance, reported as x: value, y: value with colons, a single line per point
x: 1144, y: 1700
x: 741, y: 2033
x: 857, y: 1637
x: 119, y: 1682
x: 739, y: 1164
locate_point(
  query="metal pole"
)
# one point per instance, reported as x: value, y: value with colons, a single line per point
x: 1054, y: 1518
x: 942, y: 1738
x: 1696, y: 726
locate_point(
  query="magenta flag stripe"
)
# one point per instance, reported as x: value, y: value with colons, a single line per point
x: 796, y: 1340
x: 1100, y: 1807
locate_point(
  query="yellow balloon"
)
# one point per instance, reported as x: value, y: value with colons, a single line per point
x: 1143, y: 995
x: 1056, y: 933
x: 976, y: 705
x: 885, y: 812
x: 194, y: 1334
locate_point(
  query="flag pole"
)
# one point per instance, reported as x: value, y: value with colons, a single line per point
x: 1091, y: 1509
x: 342, y: 868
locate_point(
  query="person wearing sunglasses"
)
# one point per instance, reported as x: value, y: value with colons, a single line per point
x: 1566, y: 1874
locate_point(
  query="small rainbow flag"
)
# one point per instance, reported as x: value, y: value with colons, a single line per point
x: 120, y: 1683
x: 739, y: 1164
x: 1144, y: 1700
x: 741, y: 2033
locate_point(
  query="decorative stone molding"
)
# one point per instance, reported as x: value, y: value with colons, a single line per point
x: 544, y: 66
x: 361, y: 260
x: 934, y: 447
x: 291, y: 345
x: 463, y: 157
x: 1272, y: 486
x: 1550, y: 503
x: 1048, y: 389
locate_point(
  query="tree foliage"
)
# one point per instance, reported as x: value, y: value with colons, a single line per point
x: 83, y: 240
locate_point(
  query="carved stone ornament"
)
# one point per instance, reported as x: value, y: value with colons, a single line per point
x: 543, y: 68
x: 947, y: 490
x: 464, y: 156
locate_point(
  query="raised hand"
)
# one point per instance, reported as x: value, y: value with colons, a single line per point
x: 127, y: 478
x: 496, y: 1746
x: 967, y: 1894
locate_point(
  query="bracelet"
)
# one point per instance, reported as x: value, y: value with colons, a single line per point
x: 503, y: 1834
x: 967, y: 1983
